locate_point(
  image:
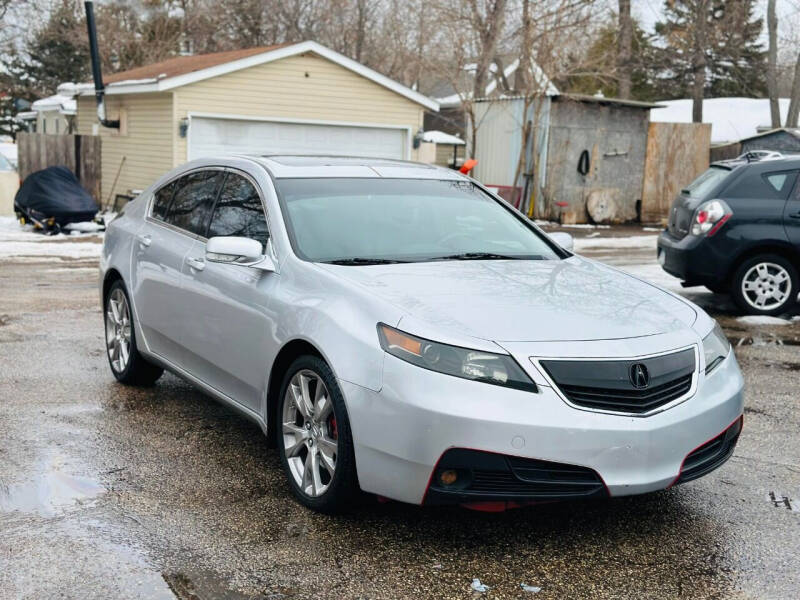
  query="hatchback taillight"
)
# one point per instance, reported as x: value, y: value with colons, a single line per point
x: 709, y: 217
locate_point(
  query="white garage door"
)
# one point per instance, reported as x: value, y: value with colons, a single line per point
x: 214, y: 136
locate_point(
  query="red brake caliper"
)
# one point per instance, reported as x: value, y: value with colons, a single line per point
x: 332, y: 427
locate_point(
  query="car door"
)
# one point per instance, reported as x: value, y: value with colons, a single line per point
x: 791, y: 216
x: 178, y: 211
x: 232, y: 327
x: 758, y: 200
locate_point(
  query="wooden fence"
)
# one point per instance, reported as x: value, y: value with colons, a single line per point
x: 676, y: 154
x: 79, y: 153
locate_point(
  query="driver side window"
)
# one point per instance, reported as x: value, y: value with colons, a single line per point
x: 239, y: 211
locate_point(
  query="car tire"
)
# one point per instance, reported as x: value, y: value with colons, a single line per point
x: 120, y: 335
x: 766, y: 284
x: 313, y: 435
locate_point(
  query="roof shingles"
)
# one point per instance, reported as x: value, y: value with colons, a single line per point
x: 181, y: 65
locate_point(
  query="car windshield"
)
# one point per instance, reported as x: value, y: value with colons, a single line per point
x: 372, y: 221
x: 706, y: 181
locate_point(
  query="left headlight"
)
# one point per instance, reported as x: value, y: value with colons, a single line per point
x: 716, y: 347
x: 497, y: 369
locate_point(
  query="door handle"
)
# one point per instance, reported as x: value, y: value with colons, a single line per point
x: 198, y: 264
x: 144, y: 240
x: 795, y: 215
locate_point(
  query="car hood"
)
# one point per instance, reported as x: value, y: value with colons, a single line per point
x: 525, y: 300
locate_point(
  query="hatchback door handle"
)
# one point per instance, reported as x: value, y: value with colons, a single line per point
x: 145, y: 240
x: 198, y: 264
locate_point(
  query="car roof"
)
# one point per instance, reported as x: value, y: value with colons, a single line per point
x: 307, y: 166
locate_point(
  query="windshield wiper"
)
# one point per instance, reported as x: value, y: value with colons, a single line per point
x: 357, y: 261
x: 484, y: 256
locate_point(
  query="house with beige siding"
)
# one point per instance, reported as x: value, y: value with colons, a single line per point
x: 299, y: 98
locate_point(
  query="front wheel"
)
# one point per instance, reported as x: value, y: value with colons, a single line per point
x: 765, y: 285
x: 127, y: 364
x: 314, y: 437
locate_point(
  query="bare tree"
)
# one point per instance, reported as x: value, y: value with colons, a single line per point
x: 624, y: 43
x: 699, y: 62
x: 488, y: 25
x: 544, y: 29
x: 772, y: 65
x: 793, y: 115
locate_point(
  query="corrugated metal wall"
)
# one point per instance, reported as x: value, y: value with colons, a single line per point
x: 499, y: 139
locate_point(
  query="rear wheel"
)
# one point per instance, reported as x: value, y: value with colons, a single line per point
x: 314, y: 437
x: 765, y: 285
x: 127, y: 364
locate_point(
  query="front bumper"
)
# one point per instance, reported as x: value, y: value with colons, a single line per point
x: 693, y: 259
x: 403, y: 431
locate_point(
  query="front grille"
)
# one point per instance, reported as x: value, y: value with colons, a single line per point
x: 485, y: 476
x: 607, y: 384
x: 711, y: 455
x: 633, y: 401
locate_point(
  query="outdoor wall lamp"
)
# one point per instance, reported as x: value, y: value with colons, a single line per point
x: 183, y: 127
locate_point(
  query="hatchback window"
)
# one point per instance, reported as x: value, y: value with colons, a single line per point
x: 766, y: 186
x: 239, y: 211
x: 193, y: 201
x: 358, y: 221
x: 706, y: 181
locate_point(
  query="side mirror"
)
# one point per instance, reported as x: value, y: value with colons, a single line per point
x: 563, y: 239
x: 239, y: 251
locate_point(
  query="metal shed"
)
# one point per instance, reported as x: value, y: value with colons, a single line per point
x: 785, y: 140
x: 586, y: 154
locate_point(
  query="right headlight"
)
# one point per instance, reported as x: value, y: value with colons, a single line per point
x: 715, y: 347
x: 477, y: 365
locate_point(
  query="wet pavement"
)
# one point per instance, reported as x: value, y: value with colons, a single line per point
x: 115, y: 492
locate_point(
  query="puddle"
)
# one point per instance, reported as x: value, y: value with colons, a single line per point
x: 51, y: 491
x: 196, y: 585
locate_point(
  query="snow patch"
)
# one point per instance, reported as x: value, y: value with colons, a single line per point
x: 18, y: 241
x: 643, y: 242
x: 765, y: 320
x: 732, y: 119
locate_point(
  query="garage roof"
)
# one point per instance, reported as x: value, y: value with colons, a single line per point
x: 183, y: 70
x: 183, y: 65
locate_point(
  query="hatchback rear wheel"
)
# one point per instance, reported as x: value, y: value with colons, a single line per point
x: 765, y: 285
x: 314, y: 437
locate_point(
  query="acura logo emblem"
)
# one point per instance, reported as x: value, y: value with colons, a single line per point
x: 639, y: 376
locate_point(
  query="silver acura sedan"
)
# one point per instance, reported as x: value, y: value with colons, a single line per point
x: 395, y: 328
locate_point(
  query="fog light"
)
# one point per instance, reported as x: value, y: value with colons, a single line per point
x: 448, y: 477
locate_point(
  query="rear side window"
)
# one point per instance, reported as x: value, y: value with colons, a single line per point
x: 193, y: 201
x: 162, y: 199
x: 239, y: 211
x: 767, y: 186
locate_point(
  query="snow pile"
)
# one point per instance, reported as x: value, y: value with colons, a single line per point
x: 17, y: 241
x: 642, y: 242
x: 765, y: 320
x: 732, y: 119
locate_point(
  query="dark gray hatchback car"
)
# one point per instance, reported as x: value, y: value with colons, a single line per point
x: 736, y: 228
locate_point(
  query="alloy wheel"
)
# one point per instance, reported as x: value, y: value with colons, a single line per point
x: 118, y: 330
x: 766, y: 286
x: 310, y: 436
